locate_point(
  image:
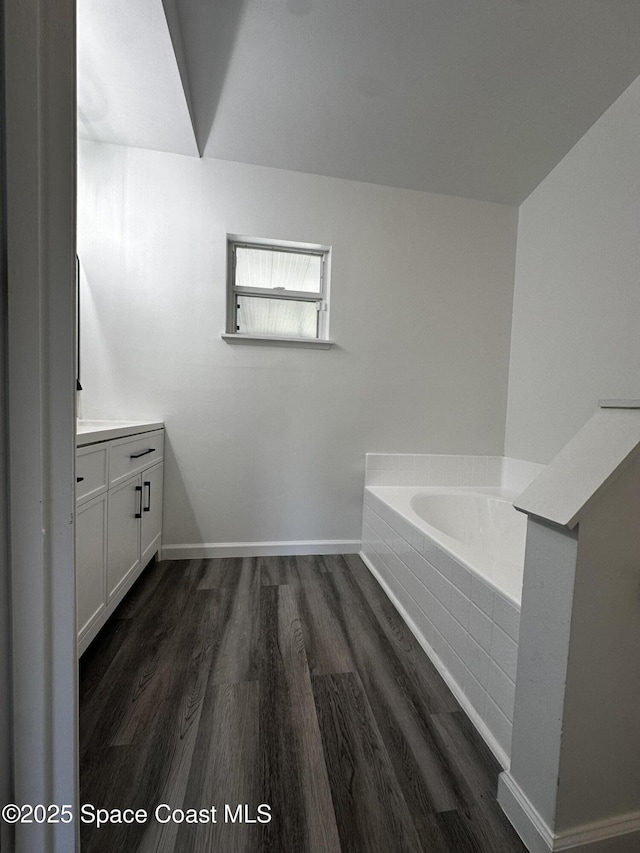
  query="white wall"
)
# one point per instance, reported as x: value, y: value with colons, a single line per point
x: 268, y: 443
x: 576, y: 312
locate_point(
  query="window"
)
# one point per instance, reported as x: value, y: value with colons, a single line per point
x: 277, y: 291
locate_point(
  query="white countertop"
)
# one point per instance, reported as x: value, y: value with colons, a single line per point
x: 89, y: 432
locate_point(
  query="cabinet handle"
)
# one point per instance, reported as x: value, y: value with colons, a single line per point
x: 142, y: 453
x: 79, y: 479
x: 147, y: 485
x: 139, y: 512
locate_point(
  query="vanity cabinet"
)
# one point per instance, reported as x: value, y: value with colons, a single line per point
x: 135, y: 525
x: 118, y: 522
x: 91, y: 562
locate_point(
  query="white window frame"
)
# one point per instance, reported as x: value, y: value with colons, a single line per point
x: 320, y: 297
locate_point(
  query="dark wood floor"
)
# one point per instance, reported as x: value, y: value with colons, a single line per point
x: 285, y: 681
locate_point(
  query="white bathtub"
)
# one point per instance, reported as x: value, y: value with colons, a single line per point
x: 451, y: 560
x: 477, y: 526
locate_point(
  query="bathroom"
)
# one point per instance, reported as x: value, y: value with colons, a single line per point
x: 460, y: 326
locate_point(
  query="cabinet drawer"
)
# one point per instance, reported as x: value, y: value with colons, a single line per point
x: 130, y: 455
x: 92, y: 466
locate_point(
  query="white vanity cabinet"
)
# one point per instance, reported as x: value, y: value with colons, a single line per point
x: 118, y: 520
x: 92, y: 474
x: 135, y: 524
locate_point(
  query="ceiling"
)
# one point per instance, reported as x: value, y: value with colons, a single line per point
x: 474, y: 98
x: 130, y: 89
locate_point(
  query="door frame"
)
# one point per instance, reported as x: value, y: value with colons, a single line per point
x: 40, y: 131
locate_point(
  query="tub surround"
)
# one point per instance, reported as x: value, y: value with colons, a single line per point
x: 574, y: 780
x: 466, y: 624
x: 431, y: 469
x: 453, y: 614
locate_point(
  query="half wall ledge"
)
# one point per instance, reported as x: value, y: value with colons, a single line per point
x: 588, y: 464
x: 574, y: 782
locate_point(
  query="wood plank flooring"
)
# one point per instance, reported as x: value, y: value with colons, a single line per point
x: 289, y: 682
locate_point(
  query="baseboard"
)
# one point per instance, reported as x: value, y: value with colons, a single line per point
x: 620, y: 834
x: 205, y: 550
x: 480, y: 725
x: 524, y: 818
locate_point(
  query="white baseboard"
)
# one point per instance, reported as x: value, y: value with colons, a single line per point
x: 205, y: 550
x: 524, y: 818
x: 480, y: 725
x: 619, y: 834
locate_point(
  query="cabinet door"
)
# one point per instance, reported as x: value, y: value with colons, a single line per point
x: 125, y: 508
x: 151, y: 511
x: 91, y: 560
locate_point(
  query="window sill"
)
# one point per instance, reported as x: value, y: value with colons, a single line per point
x: 273, y: 340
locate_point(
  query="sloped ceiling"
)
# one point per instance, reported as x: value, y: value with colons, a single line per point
x: 130, y: 90
x: 476, y: 98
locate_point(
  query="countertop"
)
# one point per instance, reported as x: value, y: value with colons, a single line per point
x: 89, y: 432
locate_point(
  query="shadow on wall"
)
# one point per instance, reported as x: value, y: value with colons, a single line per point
x: 209, y: 32
x: 183, y: 526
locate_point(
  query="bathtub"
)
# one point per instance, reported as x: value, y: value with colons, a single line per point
x: 451, y: 560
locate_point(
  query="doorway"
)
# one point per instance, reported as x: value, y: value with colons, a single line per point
x: 39, y: 175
